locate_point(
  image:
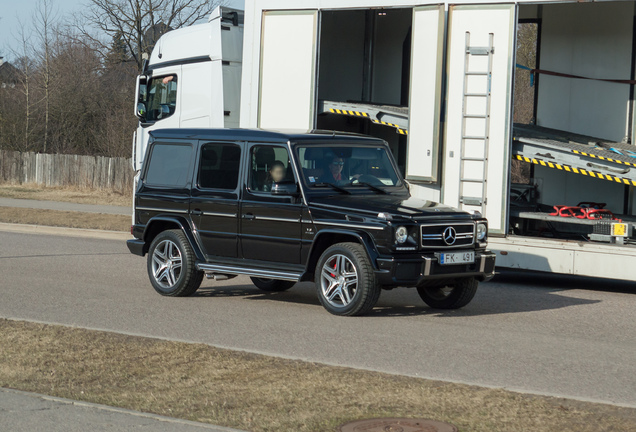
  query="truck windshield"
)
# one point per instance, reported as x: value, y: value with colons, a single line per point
x: 347, y: 167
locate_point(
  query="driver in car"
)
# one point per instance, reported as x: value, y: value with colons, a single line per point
x: 335, y: 168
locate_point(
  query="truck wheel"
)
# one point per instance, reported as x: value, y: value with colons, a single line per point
x: 449, y: 296
x: 272, y: 285
x: 345, y: 280
x: 171, y: 265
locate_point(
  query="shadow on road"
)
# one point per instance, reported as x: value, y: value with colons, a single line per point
x: 564, y: 282
x: 507, y: 294
x: 302, y: 293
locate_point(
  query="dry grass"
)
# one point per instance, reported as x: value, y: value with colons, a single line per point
x: 65, y: 194
x: 258, y: 393
x: 67, y: 219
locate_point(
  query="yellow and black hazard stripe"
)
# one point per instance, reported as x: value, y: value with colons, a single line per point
x: 581, y: 171
x: 399, y: 129
x: 603, y: 158
x: 366, y: 115
x: 347, y: 112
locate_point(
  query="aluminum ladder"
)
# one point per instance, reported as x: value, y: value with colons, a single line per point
x: 474, y: 144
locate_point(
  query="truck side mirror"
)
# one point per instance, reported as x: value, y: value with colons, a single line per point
x: 140, y: 92
x: 141, y: 111
x: 285, y: 189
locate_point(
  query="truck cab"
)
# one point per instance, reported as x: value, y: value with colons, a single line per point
x: 192, y: 79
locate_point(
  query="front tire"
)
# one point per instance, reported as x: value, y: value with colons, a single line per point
x: 449, y: 296
x: 171, y: 265
x: 345, y: 280
x: 272, y: 285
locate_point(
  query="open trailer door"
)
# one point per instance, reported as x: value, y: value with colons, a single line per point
x: 427, y: 54
x: 481, y: 49
x: 288, y: 69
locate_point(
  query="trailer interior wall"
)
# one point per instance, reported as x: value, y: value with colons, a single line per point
x: 391, y: 53
x: 341, y: 55
x: 591, y: 40
x: 363, y: 54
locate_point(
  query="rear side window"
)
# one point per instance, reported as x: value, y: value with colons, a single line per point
x: 269, y: 165
x: 169, y: 165
x: 219, y: 166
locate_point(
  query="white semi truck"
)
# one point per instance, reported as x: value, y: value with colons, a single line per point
x: 192, y: 79
x: 437, y: 81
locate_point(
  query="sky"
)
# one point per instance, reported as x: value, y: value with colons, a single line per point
x: 12, y: 11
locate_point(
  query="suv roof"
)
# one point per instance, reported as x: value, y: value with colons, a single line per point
x: 261, y: 135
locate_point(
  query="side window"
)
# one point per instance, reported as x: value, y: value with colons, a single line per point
x: 219, y: 166
x: 161, y: 97
x: 269, y: 165
x: 169, y: 165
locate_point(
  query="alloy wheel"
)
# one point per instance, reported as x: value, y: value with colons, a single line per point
x: 166, y: 264
x: 339, y: 280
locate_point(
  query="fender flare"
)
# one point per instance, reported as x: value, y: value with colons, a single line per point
x: 185, y: 227
x: 360, y: 236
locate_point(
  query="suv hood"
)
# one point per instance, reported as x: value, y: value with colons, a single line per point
x: 396, y: 205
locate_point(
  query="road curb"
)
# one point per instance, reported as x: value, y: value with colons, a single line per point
x: 62, y: 231
x: 120, y: 410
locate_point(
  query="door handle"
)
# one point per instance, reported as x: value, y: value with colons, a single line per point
x: 196, y: 212
x: 249, y: 216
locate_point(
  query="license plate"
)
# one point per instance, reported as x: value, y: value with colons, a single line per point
x: 457, y: 258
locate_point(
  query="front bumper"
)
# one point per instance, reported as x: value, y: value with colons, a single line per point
x: 415, y: 270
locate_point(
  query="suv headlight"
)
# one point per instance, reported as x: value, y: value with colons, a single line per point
x: 401, y: 234
x: 482, y: 231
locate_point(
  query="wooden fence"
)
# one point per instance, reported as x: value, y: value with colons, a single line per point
x: 94, y: 172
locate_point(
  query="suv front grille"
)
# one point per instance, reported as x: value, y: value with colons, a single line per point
x: 442, y: 235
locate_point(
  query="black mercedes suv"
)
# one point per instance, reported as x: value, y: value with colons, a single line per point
x: 289, y: 207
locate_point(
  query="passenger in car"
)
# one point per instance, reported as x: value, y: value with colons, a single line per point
x: 276, y: 173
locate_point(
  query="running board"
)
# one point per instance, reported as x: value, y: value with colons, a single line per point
x: 269, y: 274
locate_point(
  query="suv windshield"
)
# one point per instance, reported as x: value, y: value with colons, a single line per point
x: 339, y: 167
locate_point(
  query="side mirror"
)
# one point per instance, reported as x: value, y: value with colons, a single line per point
x: 141, y: 111
x: 140, y: 91
x: 285, y: 189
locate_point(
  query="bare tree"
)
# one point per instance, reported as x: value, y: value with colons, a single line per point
x: 525, y: 87
x: 44, y: 20
x: 139, y: 23
x: 25, y: 79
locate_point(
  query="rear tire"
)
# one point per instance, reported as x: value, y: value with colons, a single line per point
x: 345, y: 280
x: 171, y: 265
x: 449, y: 296
x: 272, y: 285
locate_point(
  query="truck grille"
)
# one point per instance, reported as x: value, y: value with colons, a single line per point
x: 448, y: 235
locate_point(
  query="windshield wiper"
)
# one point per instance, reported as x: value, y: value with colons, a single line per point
x: 375, y: 188
x: 333, y: 186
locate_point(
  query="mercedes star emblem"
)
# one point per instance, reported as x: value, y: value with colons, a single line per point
x: 450, y: 236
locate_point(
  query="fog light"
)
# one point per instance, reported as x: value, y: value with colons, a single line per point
x: 401, y: 234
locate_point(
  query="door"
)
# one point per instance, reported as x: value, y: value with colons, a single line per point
x: 425, y: 99
x: 478, y: 111
x: 215, y: 198
x: 160, y: 96
x: 270, y: 224
x: 288, y: 69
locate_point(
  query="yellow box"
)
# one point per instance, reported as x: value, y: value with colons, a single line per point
x: 619, y: 230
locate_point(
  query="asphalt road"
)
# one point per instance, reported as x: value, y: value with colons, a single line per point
x: 548, y: 335
x: 21, y: 411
